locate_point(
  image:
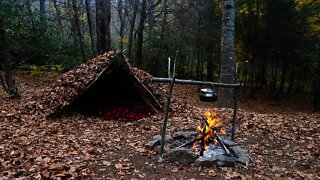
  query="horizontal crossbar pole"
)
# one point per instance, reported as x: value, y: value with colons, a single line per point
x: 188, y: 81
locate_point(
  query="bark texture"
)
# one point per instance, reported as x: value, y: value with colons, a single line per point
x: 90, y: 24
x: 103, y: 18
x: 227, y: 71
x: 316, y: 102
x: 6, y: 79
x: 76, y: 17
x: 140, y: 32
x: 132, y: 25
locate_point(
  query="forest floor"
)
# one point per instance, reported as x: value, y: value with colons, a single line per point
x: 282, y: 137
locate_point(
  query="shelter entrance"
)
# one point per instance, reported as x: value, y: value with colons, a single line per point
x: 113, y: 97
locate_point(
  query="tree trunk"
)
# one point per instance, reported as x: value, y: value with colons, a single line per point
x: 74, y: 31
x: 122, y: 23
x: 227, y: 72
x: 30, y: 14
x: 198, y: 47
x: 89, y: 17
x: 162, y: 33
x: 78, y: 29
x: 108, y: 20
x: 132, y: 25
x: 58, y: 12
x: 210, y: 64
x: 42, y: 10
x: 316, y: 101
x: 43, y: 15
x: 99, y: 21
x: 291, y: 83
x: 283, y: 75
x: 103, y: 17
x: 140, y: 33
x: 252, y: 72
x: 7, y: 80
x: 274, y: 78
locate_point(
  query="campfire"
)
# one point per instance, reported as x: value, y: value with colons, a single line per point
x: 209, y: 145
x: 209, y: 130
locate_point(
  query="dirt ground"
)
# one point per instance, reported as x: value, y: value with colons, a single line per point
x: 282, y: 137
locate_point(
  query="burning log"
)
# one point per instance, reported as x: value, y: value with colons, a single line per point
x: 209, y: 129
x: 222, y: 144
x: 203, y: 141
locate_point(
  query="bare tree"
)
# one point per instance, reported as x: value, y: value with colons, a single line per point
x: 162, y: 33
x: 316, y: 101
x: 89, y: 17
x: 132, y: 26
x: 103, y: 18
x: 42, y: 10
x: 140, y: 32
x: 58, y: 12
x: 30, y: 14
x: 151, y: 14
x: 6, y: 80
x: 121, y: 14
x: 227, y: 71
x: 76, y: 17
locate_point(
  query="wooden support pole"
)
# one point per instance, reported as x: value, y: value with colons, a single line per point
x: 203, y: 142
x: 234, y: 116
x: 166, y: 113
x: 169, y: 67
x: 235, y: 107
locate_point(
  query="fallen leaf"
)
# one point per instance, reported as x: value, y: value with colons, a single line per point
x: 107, y: 163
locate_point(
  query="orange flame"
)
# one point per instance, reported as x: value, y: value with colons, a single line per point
x: 208, y: 128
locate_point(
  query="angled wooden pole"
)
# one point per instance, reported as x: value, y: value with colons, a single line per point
x: 169, y: 67
x: 166, y: 113
x: 235, y: 106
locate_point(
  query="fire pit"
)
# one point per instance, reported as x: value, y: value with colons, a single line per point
x: 207, y: 146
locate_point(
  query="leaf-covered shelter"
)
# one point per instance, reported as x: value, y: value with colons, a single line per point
x: 102, y: 81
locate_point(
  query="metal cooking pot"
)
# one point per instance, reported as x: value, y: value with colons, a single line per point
x: 208, y: 95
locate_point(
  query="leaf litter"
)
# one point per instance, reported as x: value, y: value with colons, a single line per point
x: 75, y: 145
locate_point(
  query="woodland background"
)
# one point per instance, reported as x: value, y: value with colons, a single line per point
x: 276, y: 41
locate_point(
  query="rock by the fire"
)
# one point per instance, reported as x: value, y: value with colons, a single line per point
x: 228, y: 142
x: 152, y: 144
x: 242, y: 156
x: 181, y: 156
x: 155, y: 141
x: 184, y: 134
x: 225, y: 161
x: 219, y: 160
x: 206, y: 161
x: 157, y: 148
x: 158, y: 137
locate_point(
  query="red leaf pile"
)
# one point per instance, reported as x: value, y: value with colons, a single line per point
x: 126, y: 113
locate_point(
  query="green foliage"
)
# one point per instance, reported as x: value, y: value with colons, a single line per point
x: 193, y: 29
x: 34, y: 41
x: 40, y: 70
x: 4, y: 94
x: 274, y: 36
